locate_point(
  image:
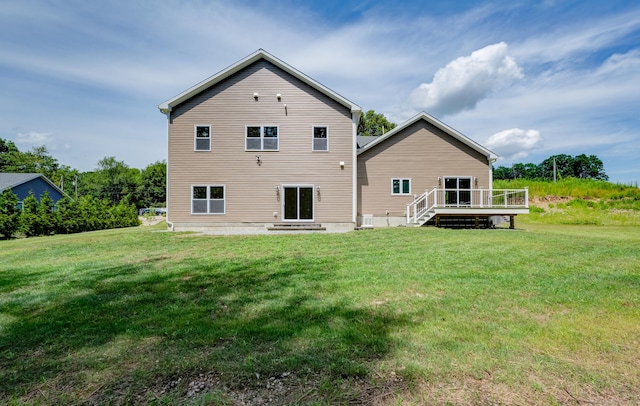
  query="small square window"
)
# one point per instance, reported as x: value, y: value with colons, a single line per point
x: 401, y: 186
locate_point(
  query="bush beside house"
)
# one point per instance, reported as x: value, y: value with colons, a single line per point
x: 67, y: 216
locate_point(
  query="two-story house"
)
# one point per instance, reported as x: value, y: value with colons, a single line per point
x: 261, y: 146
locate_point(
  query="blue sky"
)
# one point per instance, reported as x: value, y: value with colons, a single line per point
x: 527, y: 79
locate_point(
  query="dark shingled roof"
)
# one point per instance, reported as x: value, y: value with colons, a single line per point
x: 9, y: 180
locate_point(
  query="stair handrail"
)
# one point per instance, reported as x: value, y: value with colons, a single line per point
x: 421, y: 205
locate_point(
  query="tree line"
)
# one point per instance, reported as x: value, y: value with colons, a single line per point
x: 563, y: 166
x: 67, y: 216
x: 112, y: 179
x: 108, y: 197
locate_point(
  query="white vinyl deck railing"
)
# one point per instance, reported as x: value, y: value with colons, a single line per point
x: 466, y: 198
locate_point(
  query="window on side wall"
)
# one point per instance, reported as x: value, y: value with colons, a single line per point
x: 262, y: 138
x: 202, y: 135
x: 320, y: 138
x: 401, y: 186
x: 208, y: 199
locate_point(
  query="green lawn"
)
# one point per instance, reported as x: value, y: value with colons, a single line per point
x: 545, y: 314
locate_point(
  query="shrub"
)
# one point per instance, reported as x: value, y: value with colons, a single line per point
x: 9, y: 213
x: 536, y: 209
x: 29, y: 221
x: 67, y: 221
x: 46, y: 217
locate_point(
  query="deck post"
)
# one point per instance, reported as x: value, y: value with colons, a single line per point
x: 481, y: 197
x: 526, y: 196
x: 505, y: 198
x: 435, y: 196
x: 512, y: 222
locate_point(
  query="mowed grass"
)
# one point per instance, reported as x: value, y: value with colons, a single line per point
x: 544, y: 314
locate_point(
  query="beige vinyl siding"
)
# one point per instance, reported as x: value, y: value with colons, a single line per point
x: 420, y: 152
x: 250, y: 188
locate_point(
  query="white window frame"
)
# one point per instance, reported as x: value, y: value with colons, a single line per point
x: 208, y: 199
x: 401, y: 193
x: 195, y: 137
x: 460, y: 193
x: 313, y: 138
x: 262, y: 137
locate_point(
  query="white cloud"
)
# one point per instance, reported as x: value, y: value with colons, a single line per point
x: 578, y: 38
x: 466, y: 80
x: 514, y: 143
x: 33, y: 139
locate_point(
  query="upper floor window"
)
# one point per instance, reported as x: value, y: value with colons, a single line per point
x: 202, y: 137
x: 400, y: 186
x: 320, y: 138
x: 262, y: 138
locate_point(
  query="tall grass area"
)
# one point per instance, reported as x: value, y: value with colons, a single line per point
x: 545, y: 314
x: 579, y: 201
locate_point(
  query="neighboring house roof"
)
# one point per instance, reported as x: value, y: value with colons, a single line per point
x: 238, y: 66
x: 11, y: 180
x: 363, y: 140
x: 491, y: 156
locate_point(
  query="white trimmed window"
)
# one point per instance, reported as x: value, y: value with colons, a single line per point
x: 401, y: 186
x: 262, y: 138
x: 208, y: 199
x: 202, y: 135
x: 320, y: 138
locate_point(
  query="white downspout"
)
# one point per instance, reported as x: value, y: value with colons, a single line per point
x: 355, y: 117
x: 167, y: 112
x: 491, y: 161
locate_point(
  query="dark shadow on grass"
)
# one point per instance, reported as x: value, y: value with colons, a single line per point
x: 241, y: 318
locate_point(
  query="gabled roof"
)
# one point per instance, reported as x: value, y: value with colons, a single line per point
x: 491, y: 156
x: 11, y: 180
x: 238, y: 66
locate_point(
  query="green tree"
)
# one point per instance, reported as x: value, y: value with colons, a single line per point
x: 29, y: 219
x: 153, y: 185
x: 9, y: 155
x: 9, y: 213
x: 67, y: 213
x: 46, y: 215
x: 372, y: 123
x: 502, y: 173
x: 111, y: 180
x: 563, y: 164
x: 589, y: 167
x: 93, y: 213
x: 124, y: 214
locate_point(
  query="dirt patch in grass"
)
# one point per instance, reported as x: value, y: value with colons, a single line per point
x: 287, y: 388
x: 150, y: 220
x: 549, y: 203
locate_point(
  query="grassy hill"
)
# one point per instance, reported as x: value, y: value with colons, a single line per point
x: 579, y: 201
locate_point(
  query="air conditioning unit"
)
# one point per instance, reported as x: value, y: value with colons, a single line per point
x: 367, y: 221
